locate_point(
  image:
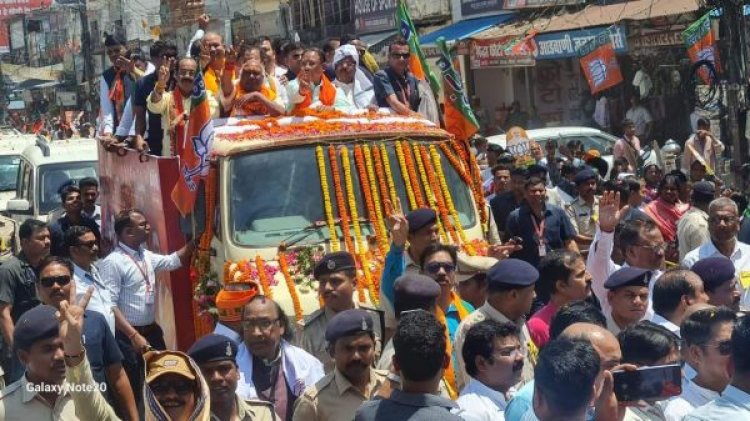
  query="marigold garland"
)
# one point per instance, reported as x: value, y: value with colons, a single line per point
x: 340, y: 202
x: 472, y: 181
x: 263, y: 277
x: 388, y: 174
x: 449, y: 201
x: 456, y: 163
x: 405, y: 176
x: 346, y: 165
x: 335, y: 246
x: 291, y: 286
x: 428, y: 191
x: 413, y: 175
x: 376, y: 198
x: 478, y: 191
x: 449, y: 375
x: 364, y: 180
x: 435, y: 186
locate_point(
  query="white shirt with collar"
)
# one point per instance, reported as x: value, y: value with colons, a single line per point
x: 733, y: 404
x: 96, y: 215
x: 480, y: 403
x: 692, y: 396
x: 740, y: 258
x: 101, y: 300
x: 131, y: 277
x: 661, y: 321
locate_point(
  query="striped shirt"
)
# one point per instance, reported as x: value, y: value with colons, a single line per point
x: 130, y: 275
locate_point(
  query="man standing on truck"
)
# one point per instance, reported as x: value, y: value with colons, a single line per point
x: 17, y: 292
x: 395, y: 87
x: 130, y: 274
x: 73, y: 206
x: 250, y: 96
x: 89, y: 193
x: 311, y: 88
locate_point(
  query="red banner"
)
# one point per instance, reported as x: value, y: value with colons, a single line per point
x: 599, y: 63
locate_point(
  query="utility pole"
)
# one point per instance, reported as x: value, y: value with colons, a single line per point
x: 88, y: 58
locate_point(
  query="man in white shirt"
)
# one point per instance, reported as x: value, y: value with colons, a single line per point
x: 641, y: 243
x: 493, y: 357
x: 640, y: 117
x: 89, y: 193
x: 692, y: 228
x: 350, y: 82
x: 673, y: 293
x: 723, y: 226
x: 734, y: 402
x: 707, y: 337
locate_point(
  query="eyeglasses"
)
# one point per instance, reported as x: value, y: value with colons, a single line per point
x: 188, y: 73
x: 262, y: 324
x: 434, y: 267
x: 87, y: 244
x: 404, y: 56
x: 181, y: 388
x: 512, y: 352
x: 724, y: 347
x: 49, y: 281
x: 657, y: 248
x: 716, y: 220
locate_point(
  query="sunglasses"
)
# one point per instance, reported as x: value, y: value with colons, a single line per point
x: 181, y: 388
x: 49, y: 281
x: 434, y: 267
x: 87, y: 244
x: 404, y: 56
x: 724, y: 347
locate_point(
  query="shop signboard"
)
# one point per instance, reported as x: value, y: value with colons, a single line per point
x: 374, y: 15
x: 656, y: 39
x: 9, y: 8
x: 489, y: 53
x: 480, y: 7
x: 558, y: 45
x: 528, y: 4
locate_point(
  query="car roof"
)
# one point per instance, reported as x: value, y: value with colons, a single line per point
x: 549, y: 132
x: 15, y: 144
x: 71, y: 150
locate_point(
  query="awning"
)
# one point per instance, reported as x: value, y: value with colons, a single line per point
x: 37, y: 84
x: 595, y: 15
x: 465, y: 28
x: 375, y: 41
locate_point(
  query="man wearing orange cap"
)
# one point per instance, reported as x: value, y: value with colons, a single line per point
x: 229, y: 303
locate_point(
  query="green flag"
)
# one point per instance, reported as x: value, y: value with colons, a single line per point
x: 417, y: 63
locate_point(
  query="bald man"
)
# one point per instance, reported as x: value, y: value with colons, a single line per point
x: 250, y: 96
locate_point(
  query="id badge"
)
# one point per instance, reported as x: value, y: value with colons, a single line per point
x: 745, y: 279
x: 542, y: 250
x: 149, y: 296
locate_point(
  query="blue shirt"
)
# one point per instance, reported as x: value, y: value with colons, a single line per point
x: 522, y: 401
x: 58, y: 229
x: 101, y: 349
x: 387, y: 82
x: 733, y: 404
x: 557, y: 231
x: 408, y: 406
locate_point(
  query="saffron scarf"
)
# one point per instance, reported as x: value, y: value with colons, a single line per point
x: 665, y: 216
x: 327, y: 95
x: 176, y: 123
x: 212, y: 80
x: 449, y: 375
x: 117, y: 93
x: 253, y: 108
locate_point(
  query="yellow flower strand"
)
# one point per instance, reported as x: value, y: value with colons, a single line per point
x: 388, y: 173
x: 405, y: 176
x: 449, y: 201
x: 346, y: 165
x: 327, y: 198
x: 428, y: 192
x: 383, y: 237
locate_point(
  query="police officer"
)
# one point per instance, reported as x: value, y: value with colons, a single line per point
x: 628, y: 296
x: 353, y: 380
x: 215, y: 356
x: 336, y: 274
x: 583, y: 211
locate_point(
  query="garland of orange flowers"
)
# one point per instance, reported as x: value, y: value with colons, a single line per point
x: 456, y: 163
x: 210, y: 188
x: 428, y: 191
x: 413, y: 175
x: 284, y: 267
x: 435, y: 186
x: 364, y: 181
x: 473, y: 182
x: 382, y: 239
x: 340, y: 203
x: 449, y: 375
x: 346, y: 165
x: 327, y: 198
x: 449, y: 202
x: 478, y: 191
x: 458, y: 146
x: 388, y: 174
x: 261, y: 268
x: 405, y: 175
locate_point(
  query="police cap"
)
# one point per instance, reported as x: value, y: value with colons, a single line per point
x: 628, y: 277
x: 211, y: 348
x: 334, y: 262
x: 349, y: 322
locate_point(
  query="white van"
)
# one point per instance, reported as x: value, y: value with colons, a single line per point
x: 11, y: 146
x: 44, y: 168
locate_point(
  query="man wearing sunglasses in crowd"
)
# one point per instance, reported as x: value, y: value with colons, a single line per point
x: 53, y: 287
x: 396, y: 87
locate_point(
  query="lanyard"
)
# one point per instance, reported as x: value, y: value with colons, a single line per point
x: 405, y: 90
x: 538, y: 229
x: 144, y: 273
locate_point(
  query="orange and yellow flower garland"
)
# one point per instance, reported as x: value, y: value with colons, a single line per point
x: 470, y: 178
x: 478, y: 190
x: 413, y: 175
x: 428, y: 191
x: 435, y: 186
x: 405, y: 175
x: 382, y: 179
x: 346, y: 166
x: 364, y: 180
x: 382, y: 234
x: 388, y: 173
x: 340, y: 203
x: 261, y: 267
x: 291, y: 286
x: 327, y: 198
x: 449, y: 375
x: 449, y: 201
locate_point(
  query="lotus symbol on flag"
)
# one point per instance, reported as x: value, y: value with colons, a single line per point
x: 201, y: 146
x: 598, y: 70
x: 706, y: 53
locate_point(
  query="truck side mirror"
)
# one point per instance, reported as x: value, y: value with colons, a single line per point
x: 19, y: 205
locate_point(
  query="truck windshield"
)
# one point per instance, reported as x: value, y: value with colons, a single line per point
x: 275, y: 196
x: 9, y: 172
x: 53, y: 176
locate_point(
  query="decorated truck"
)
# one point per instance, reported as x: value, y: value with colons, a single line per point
x: 280, y: 192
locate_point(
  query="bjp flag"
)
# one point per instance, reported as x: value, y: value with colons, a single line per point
x: 459, y: 118
x: 194, y: 148
x: 701, y: 45
x: 417, y: 62
x: 599, y: 63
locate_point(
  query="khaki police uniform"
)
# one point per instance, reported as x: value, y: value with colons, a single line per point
x: 583, y: 216
x: 334, y: 398
x: 252, y: 410
x: 19, y: 401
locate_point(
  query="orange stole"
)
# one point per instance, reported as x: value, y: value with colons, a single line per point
x: 449, y: 375
x: 253, y: 108
x: 327, y: 95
